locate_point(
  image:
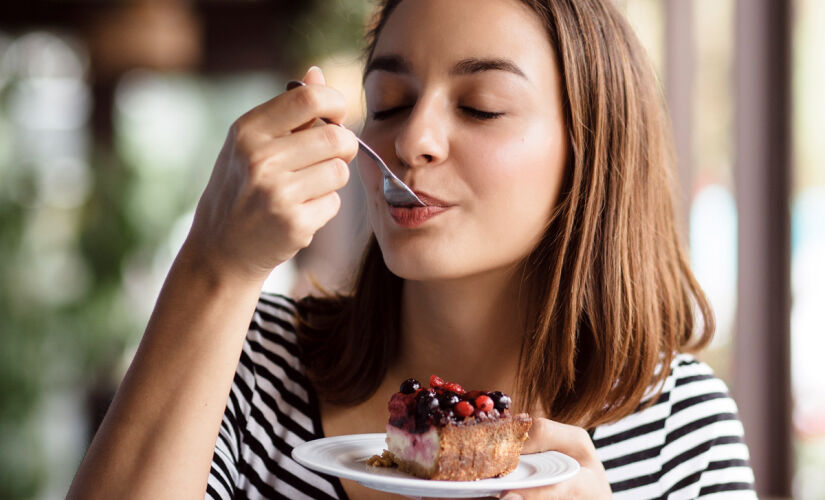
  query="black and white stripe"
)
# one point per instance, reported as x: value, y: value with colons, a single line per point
x: 688, y: 444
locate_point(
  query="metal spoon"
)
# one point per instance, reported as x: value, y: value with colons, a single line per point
x: 395, y: 191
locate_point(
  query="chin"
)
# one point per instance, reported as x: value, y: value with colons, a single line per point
x: 424, y: 267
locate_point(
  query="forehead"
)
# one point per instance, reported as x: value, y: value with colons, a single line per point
x: 435, y: 33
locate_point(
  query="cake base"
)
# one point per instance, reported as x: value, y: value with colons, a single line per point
x: 461, y: 452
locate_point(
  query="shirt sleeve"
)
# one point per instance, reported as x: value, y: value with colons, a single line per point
x: 704, y: 455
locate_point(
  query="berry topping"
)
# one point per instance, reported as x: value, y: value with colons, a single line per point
x: 464, y: 409
x: 409, y: 386
x: 427, y: 403
x: 501, y: 401
x: 472, y: 395
x: 447, y: 400
x: 452, y: 386
x: 484, y: 403
x: 436, y: 381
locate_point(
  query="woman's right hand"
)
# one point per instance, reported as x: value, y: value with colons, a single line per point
x: 274, y: 183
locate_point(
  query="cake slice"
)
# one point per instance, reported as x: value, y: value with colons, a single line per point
x: 444, y: 432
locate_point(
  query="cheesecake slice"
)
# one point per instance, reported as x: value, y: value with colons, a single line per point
x: 444, y: 432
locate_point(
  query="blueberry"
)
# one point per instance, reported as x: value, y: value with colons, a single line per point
x: 427, y: 403
x: 448, y: 400
x: 409, y: 386
x: 501, y: 401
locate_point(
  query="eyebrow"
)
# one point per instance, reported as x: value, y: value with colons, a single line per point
x: 469, y: 66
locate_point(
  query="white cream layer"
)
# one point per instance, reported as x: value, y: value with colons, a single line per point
x: 419, y: 448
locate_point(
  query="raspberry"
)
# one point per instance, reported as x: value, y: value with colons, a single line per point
x: 436, y: 381
x: 484, y: 403
x: 464, y: 408
x: 452, y: 386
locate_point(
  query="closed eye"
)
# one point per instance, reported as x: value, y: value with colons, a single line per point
x: 480, y: 114
x: 387, y: 113
x: 477, y: 114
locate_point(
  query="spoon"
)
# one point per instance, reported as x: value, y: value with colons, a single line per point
x: 395, y: 191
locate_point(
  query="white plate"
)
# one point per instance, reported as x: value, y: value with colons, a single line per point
x: 346, y: 456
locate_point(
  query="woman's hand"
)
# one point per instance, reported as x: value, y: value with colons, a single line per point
x: 273, y: 185
x: 591, y: 481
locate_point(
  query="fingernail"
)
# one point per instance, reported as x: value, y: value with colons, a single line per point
x: 318, y: 70
x: 512, y: 496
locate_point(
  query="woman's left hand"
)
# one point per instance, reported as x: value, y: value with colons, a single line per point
x: 591, y: 481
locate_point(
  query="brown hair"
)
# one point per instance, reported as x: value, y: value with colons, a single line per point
x: 611, y: 295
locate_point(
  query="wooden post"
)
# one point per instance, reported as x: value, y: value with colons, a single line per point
x: 679, y: 73
x: 761, y: 371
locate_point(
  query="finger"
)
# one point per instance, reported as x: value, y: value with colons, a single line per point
x: 320, y: 179
x: 547, y: 435
x: 322, y: 210
x: 313, y: 76
x: 289, y: 111
x: 546, y: 493
x: 307, y: 147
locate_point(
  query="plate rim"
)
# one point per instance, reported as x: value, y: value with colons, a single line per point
x: 369, y: 480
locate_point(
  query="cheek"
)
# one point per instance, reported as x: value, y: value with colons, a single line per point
x: 522, y: 173
x: 370, y: 177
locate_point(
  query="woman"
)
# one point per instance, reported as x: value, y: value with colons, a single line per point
x: 547, y: 266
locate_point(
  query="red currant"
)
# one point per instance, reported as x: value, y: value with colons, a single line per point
x: 484, y: 403
x: 452, y: 386
x: 464, y: 408
x: 436, y: 381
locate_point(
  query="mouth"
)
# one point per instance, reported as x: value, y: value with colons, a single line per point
x: 414, y: 216
x: 429, y: 200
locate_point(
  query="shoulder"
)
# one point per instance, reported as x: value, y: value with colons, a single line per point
x: 696, y: 395
x: 689, y: 439
x: 271, y: 346
x: 272, y: 408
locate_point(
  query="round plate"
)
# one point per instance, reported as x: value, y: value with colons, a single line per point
x: 346, y: 457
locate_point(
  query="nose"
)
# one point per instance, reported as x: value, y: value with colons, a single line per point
x: 423, y: 139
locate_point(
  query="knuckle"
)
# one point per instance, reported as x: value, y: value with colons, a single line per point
x: 308, y: 98
x: 256, y: 160
x: 541, y: 425
x: 583, y: 438
x: 340, y: 171
x: 333, y: 136
x: 351, y: 145
x: 335, y: 203
x: 240, y: 127
x: 279, y: 201
x: 305, y: 227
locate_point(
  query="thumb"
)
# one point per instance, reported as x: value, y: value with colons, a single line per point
x: 315, y: 75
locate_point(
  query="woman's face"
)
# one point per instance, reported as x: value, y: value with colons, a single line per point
x: 464, y: 105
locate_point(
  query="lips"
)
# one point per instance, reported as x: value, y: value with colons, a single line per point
x: 411, y: 217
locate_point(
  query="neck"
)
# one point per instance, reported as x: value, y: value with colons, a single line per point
x: 467, y: 331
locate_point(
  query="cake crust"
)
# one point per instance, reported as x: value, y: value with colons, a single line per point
x: 481, y: 450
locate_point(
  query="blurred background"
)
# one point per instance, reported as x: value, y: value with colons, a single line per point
x: 112, y: 114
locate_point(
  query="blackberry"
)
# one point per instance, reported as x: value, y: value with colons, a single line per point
x: 426, y: 403
x: 409, y: 386
x: 448, y: 400
x: 500, y: 401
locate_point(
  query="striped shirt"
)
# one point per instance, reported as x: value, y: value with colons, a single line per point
x: 688, y: 444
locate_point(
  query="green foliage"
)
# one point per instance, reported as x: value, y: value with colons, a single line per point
x: 330, y: 26
x: 66, y: 313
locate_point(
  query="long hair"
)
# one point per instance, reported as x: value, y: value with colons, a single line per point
x: 611, y: 297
